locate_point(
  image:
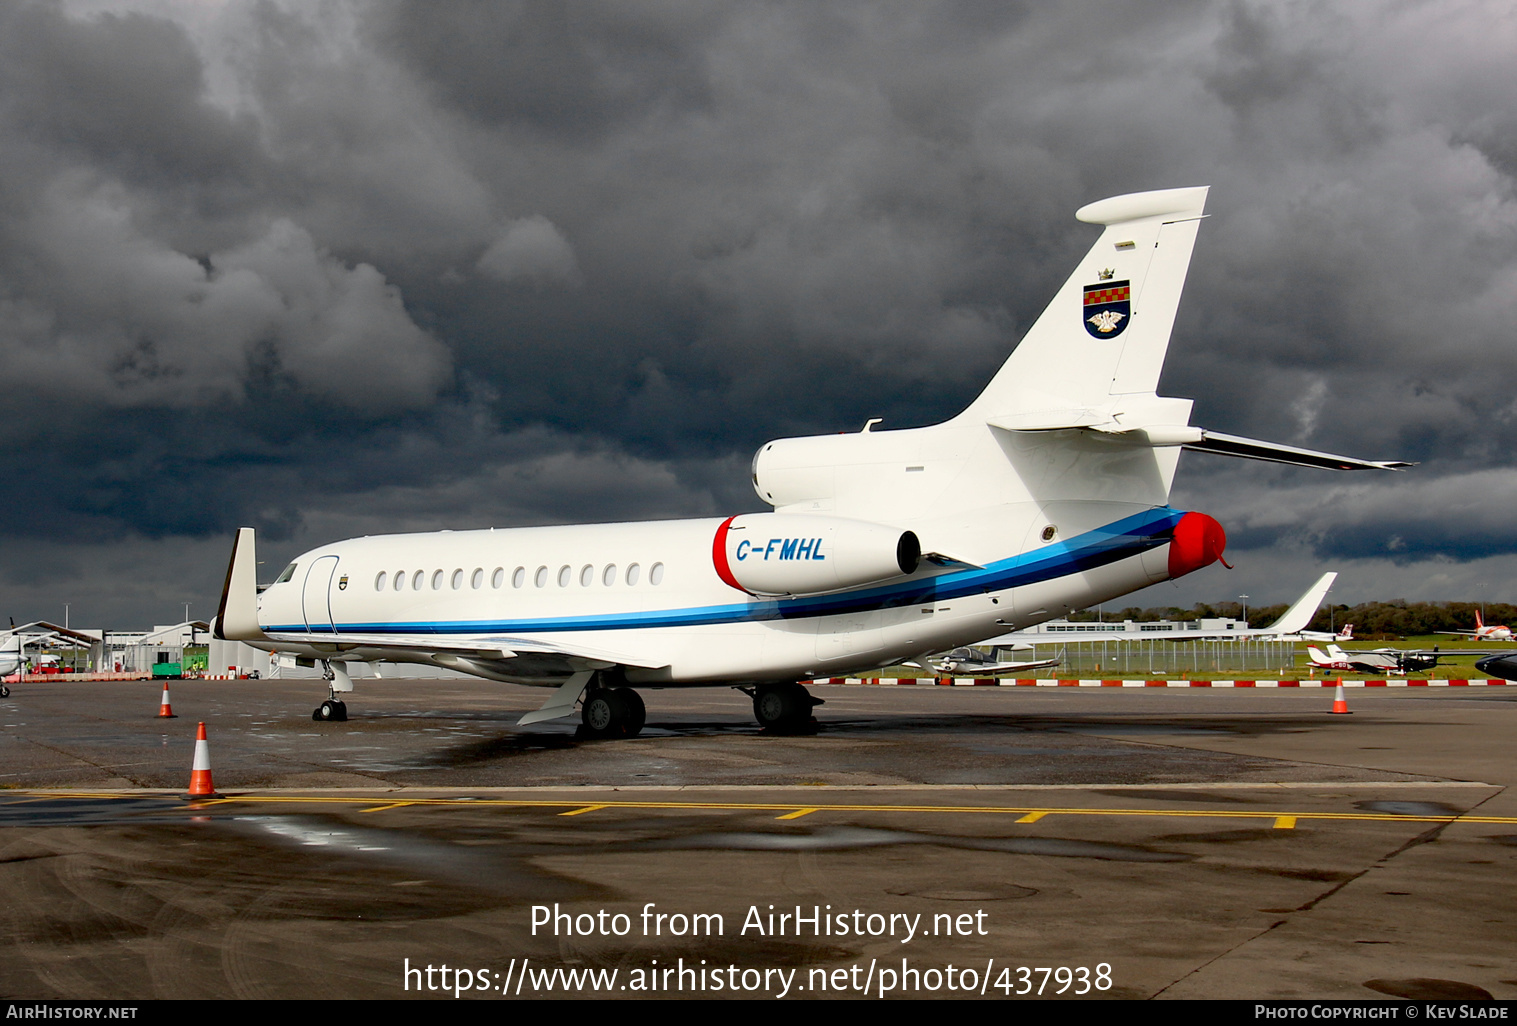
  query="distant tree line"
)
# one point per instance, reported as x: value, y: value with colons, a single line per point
x: 1400, y: 617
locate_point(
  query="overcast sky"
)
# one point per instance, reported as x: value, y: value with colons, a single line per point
x: 343, y: 268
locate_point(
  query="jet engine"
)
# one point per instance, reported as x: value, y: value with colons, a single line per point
x: 785, y: 554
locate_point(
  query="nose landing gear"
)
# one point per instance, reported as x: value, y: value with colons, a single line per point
x: 334, y: 709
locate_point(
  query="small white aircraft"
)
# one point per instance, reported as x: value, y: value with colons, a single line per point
x: 974, y: 661
x: 1379, y: 660
x: 1494, y: 632
x: 872, y: 555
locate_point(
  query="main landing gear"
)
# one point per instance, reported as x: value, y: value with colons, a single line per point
x: 784, y: 708
x: 613, y: 712
x: 334, y: 709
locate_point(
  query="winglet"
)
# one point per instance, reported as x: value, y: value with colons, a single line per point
x: 237, y: 616
x: 1299, y: 615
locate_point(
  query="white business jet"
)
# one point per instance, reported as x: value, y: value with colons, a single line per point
x: 872, y: 555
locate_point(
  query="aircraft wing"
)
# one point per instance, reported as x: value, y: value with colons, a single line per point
x: 1289, y: 625
x: 508, y: 656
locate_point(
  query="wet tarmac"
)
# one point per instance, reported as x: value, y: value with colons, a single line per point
x: 1196, y: 844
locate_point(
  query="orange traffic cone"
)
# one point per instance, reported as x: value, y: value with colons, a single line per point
x: 1340, y: 704
x: 165, y: 712
x: 200, y: 769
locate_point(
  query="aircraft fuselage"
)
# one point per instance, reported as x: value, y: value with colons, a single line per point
x: 651, y: 593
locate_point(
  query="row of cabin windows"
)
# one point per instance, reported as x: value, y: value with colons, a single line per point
x: 608, y: 576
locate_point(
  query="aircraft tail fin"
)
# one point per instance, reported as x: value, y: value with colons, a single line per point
x: 1106, y: 332
x: 1296, y: 618
x: 237, y: 616
x: 1318, y: 656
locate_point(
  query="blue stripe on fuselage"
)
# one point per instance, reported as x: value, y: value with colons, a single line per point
x: 1129, y: 536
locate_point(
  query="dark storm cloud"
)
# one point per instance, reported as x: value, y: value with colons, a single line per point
x: 353, y: 267
x: 569, y: 70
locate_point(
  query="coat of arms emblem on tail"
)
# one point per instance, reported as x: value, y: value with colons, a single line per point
x: 1108, y: 308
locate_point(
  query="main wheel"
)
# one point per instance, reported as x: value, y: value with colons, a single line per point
x: 604, y: 713
x: 5, y: 692
x: 782, y: 707
x: 637, y: 713
x: 332, y: 710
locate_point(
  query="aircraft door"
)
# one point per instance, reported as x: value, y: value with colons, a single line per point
x: 315, y: 599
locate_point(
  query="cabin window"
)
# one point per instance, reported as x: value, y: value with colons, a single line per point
x: 400, y: 579
x: 565, y: 575
x: 608, y: 577
x: 518, y: 576
x: 381, y: 581
x: 417, y: 579
x: 633, y: 572
x: 477, y: 579
x: 458, y: 579
x: 656, y: 574
x: 436, y: 580
x: 289, y: 572
x: 542, y: 577
x: 586, y: 575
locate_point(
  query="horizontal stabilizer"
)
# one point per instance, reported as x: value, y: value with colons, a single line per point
x: 1273, y: 452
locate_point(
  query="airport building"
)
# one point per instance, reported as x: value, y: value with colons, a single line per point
x: 1082, y: 650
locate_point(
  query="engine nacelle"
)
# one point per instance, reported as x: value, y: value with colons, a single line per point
x: 782, y: 554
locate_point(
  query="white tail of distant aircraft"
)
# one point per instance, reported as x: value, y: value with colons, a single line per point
x: 872, y: 555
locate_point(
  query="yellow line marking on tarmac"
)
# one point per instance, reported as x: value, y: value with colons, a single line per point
x: 797, y: 814
x: 1032, y: 817
x: 576, y: 806
x: 392, y: 805
x: 1285, y: 822
x: 582, y: 811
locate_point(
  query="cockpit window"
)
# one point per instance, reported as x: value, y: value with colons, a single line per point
x: 289, y: 572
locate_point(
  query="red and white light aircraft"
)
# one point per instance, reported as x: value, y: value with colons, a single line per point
x: 872, y: 555
x: 1482, y: 632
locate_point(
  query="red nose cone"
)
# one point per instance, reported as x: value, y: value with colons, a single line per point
x: 1199, y: 541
